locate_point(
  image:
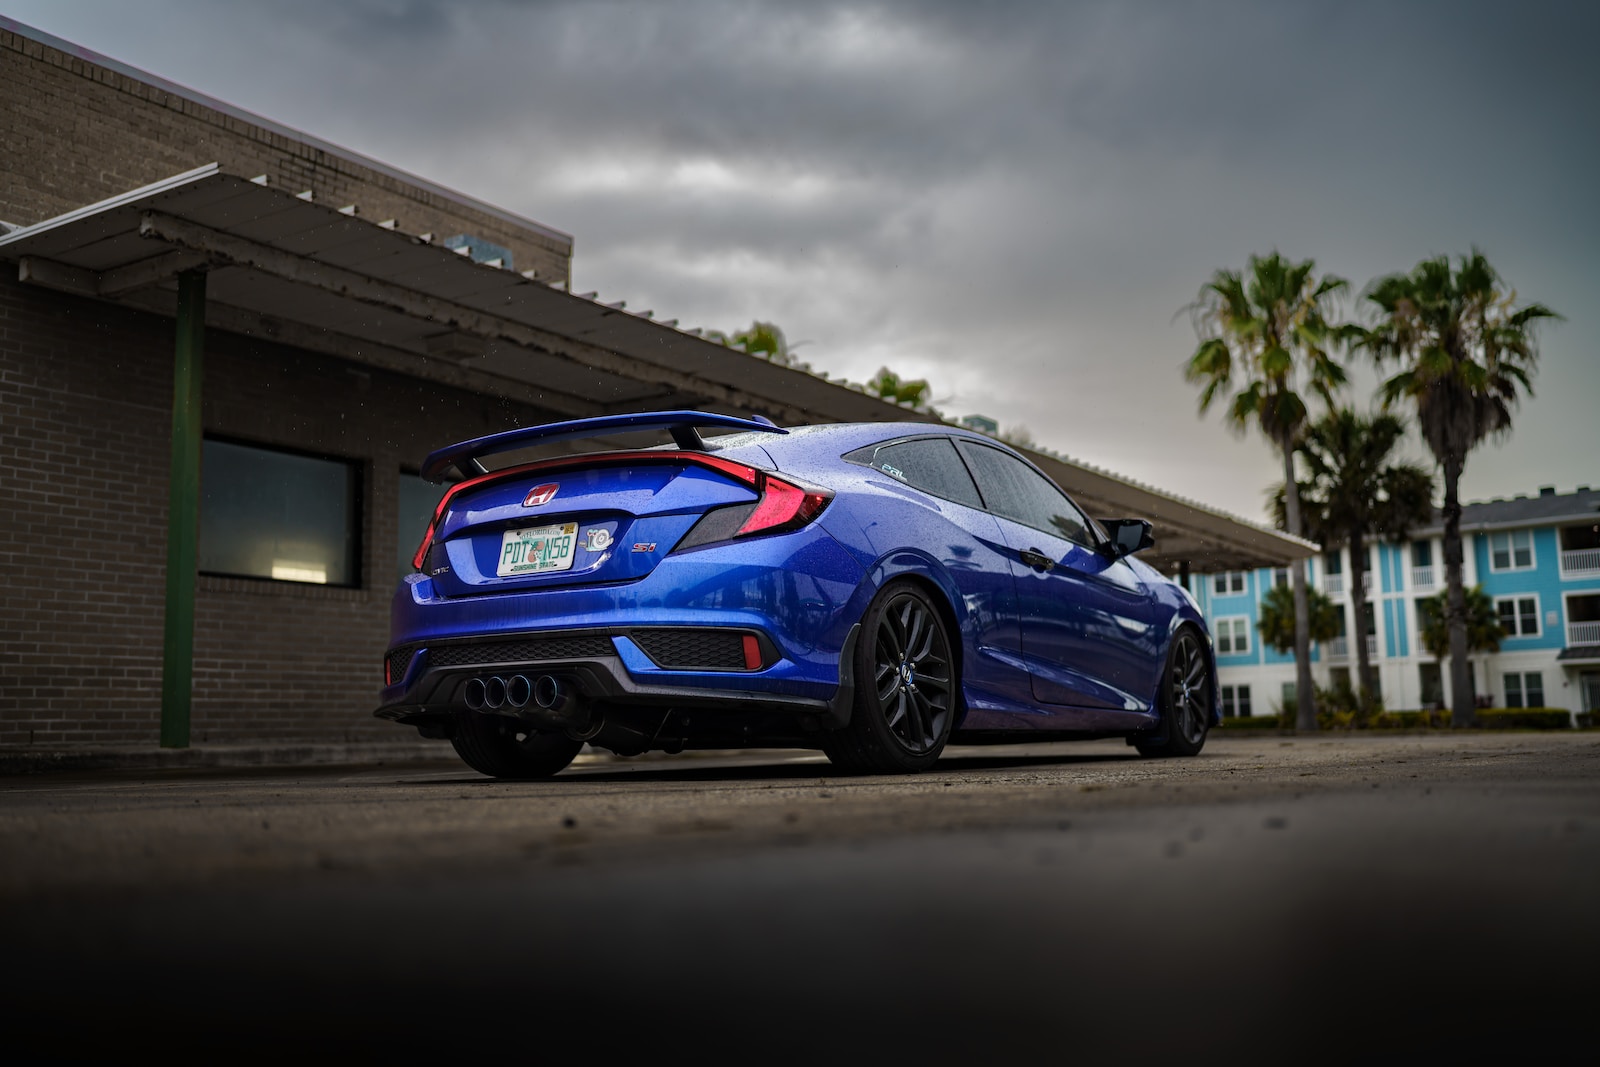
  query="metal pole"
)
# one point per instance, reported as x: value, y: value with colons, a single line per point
x: 183, y: 512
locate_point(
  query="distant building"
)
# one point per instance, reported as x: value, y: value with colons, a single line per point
x: 1538, y: 557
x: 980, y: 423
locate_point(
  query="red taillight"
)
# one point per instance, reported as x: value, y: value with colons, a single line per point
x: 782, y: 506
x: 388, y: 670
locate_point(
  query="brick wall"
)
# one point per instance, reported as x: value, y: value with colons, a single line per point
x: 85, y: 419
x: 76, y: 132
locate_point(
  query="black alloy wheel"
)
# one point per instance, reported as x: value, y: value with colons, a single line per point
x: 905, y: 694
x: 1186, y: 697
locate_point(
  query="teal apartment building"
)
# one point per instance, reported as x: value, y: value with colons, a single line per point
x: 1537, y: 557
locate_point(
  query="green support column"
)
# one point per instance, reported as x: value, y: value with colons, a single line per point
x: 183, y: 512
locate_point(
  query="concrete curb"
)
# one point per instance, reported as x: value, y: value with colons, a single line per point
x: 152, y: 758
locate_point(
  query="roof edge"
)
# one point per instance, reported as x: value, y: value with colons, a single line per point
x: 22, y: 29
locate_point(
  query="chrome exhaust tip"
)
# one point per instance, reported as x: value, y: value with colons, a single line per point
x: 518, y: 691
x: 473, y: 694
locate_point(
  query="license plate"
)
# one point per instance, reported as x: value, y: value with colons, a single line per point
x: 537, y: 549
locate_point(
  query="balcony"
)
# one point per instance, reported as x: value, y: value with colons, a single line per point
x: 1580, y: 563
x: 1583, y: 633
x: 1422, y: 577
x: 1338, y: 648
x: 1333, y: 584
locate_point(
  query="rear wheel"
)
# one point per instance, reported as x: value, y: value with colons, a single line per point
x: 505, y: 748
x: 1186, y: 694
x: 905, y: 694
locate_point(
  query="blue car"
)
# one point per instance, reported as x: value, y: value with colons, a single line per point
x: 875, y: 591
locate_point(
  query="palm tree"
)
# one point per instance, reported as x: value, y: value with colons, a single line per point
x: 1353, y: 491
x: 1276, y: 620
x: 1466, y: 355
x: 1483, y: 624
x: 1264, y: 337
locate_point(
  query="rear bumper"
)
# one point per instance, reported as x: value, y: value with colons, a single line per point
x: 800, y: 592
x: 435, y: 678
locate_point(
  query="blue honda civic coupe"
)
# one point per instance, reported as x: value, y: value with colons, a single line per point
x: 875, y: 591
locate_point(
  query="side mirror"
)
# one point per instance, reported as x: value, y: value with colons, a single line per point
x: 1128, y: 536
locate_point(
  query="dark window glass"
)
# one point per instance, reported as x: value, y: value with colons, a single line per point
x: 1244, y: 701
x: 1533, y: 688
x: 1513, y: 690
x: 1422, y: 553
x: 1508, y: 616
x: 1432, y: 684
x: 930, y: 464
x: 1333, y: 562
x: 418, y: 498
x: 271, y: 514
x: 1012, y: 488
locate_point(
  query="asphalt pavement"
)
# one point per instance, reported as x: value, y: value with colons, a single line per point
x: 1311, y: 900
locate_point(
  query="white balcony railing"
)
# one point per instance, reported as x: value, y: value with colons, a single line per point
x: 1339, y: 648
x: 1422, y: 577
x: 1580, y: 561
x: 1372, y: 645
x: 1333, y: 584
x: 1583, y: 633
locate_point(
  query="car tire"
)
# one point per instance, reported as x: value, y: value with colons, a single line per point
x: 906, y: 687
x: 1185, y: 701
x: 505, y: 748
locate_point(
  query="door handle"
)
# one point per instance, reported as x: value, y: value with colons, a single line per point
x: 1037, y: 560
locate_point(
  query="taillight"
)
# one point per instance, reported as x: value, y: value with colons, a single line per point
x: 782, y: 506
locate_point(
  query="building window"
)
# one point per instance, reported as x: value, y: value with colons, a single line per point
x: 1333, y: 562
x: 1519, y: 615
x: 1235, y: 701
x: 1233, y: 636
x: 1422, y: 553
x: 1511, y: 551
x: 1280, y: 576
x: 1432, y: 684
x: 1228, y: 583
x: 418, y: 498
x: 1525, y: 690
x: 1290, y: 702
x: 283, y: 516
x: 1339, y: 679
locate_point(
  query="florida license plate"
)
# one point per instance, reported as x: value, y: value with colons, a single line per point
x: 537, y: 549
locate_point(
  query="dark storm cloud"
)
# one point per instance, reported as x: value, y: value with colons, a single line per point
x: 1010, y: 198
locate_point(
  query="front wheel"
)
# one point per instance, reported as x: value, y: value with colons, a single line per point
x: 1186, y: 695
x: 906, y: 685
x: 505, y: 748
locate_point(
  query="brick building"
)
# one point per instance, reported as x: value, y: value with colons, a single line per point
x: 353, y: 317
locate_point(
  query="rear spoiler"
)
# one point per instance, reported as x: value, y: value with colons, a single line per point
x: 465, y: 456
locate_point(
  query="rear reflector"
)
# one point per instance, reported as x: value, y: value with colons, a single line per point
x: 752, y: 653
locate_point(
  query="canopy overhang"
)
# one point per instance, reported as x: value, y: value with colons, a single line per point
x: 323, y: 278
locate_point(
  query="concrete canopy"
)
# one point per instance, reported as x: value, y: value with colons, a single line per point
x: 322, y: 278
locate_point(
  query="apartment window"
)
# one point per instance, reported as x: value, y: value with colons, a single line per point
x: 1339, y: 679
x: 1235, y: 701
x: 1333, y: 562
x: 1228, y: 583
x: 1280, y: 576
x: 1290, y: 702
x: 1512, y: 551
x: 1519, y: 615
x: 283, y: 516
x: 1524, y: 689
x: 417, y: 498
x: 1431, y: 681
x: 1233, y: 636
x: 1422, y: 553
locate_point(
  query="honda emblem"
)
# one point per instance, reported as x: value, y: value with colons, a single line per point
x: 540, y: 494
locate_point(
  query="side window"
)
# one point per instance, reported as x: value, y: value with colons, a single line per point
x: 1012, y: 488
x: 930, y: 464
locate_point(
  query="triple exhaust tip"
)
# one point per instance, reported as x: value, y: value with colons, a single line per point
x: 493, y: 693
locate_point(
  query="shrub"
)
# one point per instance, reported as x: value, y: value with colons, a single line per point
x: 1251, y: 722
x: 1524, y: 718
x: 1412, y: 720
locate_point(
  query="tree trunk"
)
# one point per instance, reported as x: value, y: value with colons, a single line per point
x: 1305, y: 714
x: 1358, y: 607
x: 1463, y: 709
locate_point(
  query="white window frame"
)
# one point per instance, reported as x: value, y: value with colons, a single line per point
x: 1233, y: 629
x: 1228, y: 583
x: 1538, y: 612
x: 1523, y: 689
x: 1280, y: 576
x: 1511, y: 551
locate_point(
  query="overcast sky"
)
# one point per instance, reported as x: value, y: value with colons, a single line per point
x: 1013, y: 200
